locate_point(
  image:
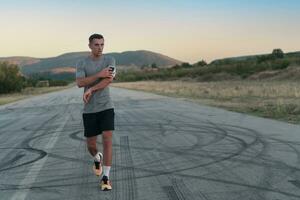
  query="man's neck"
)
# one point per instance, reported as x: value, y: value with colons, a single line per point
x: 93, y: 57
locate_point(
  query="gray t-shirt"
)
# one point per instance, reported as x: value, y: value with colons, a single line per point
x: 100, y: 99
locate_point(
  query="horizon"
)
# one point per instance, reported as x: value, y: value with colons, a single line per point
x: 188, y: 31
x: 148, y: 51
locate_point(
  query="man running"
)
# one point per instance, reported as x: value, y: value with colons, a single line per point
x: 95, y: 73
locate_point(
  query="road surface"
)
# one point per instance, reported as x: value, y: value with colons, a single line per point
x: 164, y: 149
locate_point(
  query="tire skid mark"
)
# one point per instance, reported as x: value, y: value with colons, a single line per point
x: 182, y: 191
x: 244, y: 145
x: 231, y: 156
x: 256, y: 139
x: 275, y: 163
x: 174, y: 189
x: 34, y: 170
x: 129, y: 185
x: 170, y: 191
x: 25, y: 145
x: 267, y: 174
x: 54, y: 183
x: 289, y: 171
x: 154, y: 162
x: 229, y: 167
x: 115, y: 175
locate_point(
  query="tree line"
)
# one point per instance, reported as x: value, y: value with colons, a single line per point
x: 12, y: 80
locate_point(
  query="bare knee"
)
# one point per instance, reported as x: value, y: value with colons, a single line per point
x: 92, y: 145
x: 107, y: 136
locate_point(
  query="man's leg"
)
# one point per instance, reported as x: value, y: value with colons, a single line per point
x: 107, y: 147
x: 107, y: 151
x: 108, y: 127
x: 92, y: 147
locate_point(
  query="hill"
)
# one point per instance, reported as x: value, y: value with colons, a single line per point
x: 56, y: 64
x: 252, y: 57
x: 273, y: 66
x: 20, y: 60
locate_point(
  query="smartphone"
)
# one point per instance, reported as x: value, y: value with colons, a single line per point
x: 112, y: 68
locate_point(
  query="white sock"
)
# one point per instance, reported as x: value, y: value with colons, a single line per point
x: 106, y: 170
x: 98, y: 156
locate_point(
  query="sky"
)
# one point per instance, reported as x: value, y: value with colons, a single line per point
x: 187, y: 30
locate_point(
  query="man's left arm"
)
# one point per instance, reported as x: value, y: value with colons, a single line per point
x: 102, y: 84
x: 99, y: 86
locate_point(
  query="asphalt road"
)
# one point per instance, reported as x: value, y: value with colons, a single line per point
x: 163, y: 148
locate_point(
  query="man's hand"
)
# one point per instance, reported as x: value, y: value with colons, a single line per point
x: 87, y: 95
x: 105, y: 73
x: 104, y: 83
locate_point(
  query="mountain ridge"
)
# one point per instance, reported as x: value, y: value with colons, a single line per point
x: 137, y: 59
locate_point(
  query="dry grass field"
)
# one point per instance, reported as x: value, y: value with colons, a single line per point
x: 278, y: 99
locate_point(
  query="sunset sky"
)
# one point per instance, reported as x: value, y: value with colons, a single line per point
x: 186, y: 30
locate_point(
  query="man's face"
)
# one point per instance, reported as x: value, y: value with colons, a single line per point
x: 97, y: 46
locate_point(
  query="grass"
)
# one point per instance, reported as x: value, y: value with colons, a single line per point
x: 276, y: 100
x: 29, y: 92
x: 236, y: 69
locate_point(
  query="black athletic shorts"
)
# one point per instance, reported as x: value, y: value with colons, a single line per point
x: 95, y: 123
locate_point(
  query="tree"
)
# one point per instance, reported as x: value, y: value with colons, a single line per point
x: 186, y: 65
x: 154, y: 65
x: 277, y: 53
x: 201, y: 63
x: 10, y: 78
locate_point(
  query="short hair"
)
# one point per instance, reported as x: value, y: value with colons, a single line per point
x: 95, y: 36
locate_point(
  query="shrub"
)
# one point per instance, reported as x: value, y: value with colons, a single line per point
x: 277, y: 53
x: 10, y: 78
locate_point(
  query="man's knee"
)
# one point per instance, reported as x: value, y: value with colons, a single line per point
x: 107, y: 136
x: 92, y: 143
x: 91, y: 146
